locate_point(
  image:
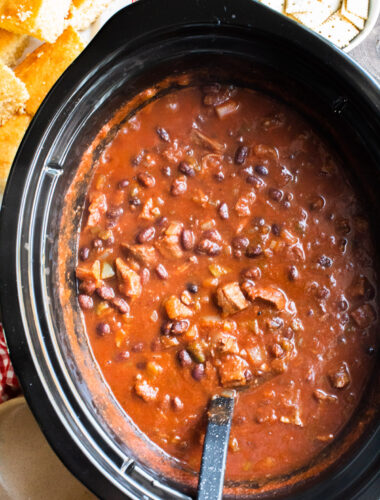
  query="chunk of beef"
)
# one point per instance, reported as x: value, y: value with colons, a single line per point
x: 207, y: 142
x: 143, y: 254
x: 175, y: 309
x: 230, y: 298
x: 244, y: 203
x: 269, y: 294
x: 130, y: 281
x: 340, y: 378
x: 96, y: 208
x: 233, y: 371
x: 363, y: 316
x: 89, y: 273
x: 225, y: 343
x: 146, y: 391
x: 170, y: 245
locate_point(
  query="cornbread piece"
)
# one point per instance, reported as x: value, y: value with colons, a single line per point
x: 84, y: 12
x: 11, y: 135
x: 12, y: 46
x: 42, y: 68
x: 13, y: 94
x: 43, y: 19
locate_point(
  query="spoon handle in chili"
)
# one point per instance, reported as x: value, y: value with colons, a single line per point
x: 211, y: 478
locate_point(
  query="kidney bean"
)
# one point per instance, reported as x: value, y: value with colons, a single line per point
x: 85, y: 301
x: 180, y: 326
x: 139, y: 347
x: 105, y: 292
x: 292, y: 273
x: 254, y: 181
x: 122, y: 356
x: 145, y: 235
x: 185, y: 168
x: 212, y: 234
x: 254, y: 273
x: 276, y: 229
x: 198, y: 372
x: 276, y: 350
x: 136, y: 160
x: 208, y: 247
x: 114, y: 212
x: 162, y: 272
x: 192, y: 288
x: 123, y: 184
x: 103, y: 329
x: 261, y: 170
x: 184, y: 358
x: 84, y: 253
x: 134, y: 201
x: 177, y: 404
x: 97, y: 243
x: 179, y: 186
x: 146, y: 180
x: 241, y: 154
x: 163, y: 134
x: 162, y: 222
x: 187, y: 239
x: 253, y: 251
x: 144, y: 276
x: 223, y: 211
x: 240, y: 243
x: 88, y: 287
x: 166, y: 327
x: 121, y: 305
x: 275, y: 194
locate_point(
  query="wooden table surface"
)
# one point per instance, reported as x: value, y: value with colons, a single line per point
x: 367, y: 54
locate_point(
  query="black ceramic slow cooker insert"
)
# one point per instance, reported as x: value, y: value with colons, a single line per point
x: 245, y: 43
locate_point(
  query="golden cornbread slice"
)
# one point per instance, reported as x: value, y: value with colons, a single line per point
x: 42, y: 68
x: 12, y: 46
x: 43, y: 19
x: 13, y: 94
x: 84, y: 12
x: 11, y: 135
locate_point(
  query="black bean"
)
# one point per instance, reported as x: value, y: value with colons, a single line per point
x: 253, y: 251
x: 240, y: 242
x: 241, y: 154
x: 223, y: 211
x: 123, y: 184
x: 163, y: 134
x: 134, y: 201
x: 180, y: 326
x: 208, y: 247
x: 114, y: 212
x: 145, y: 235
x: 276, y: 229
x: 325, y: 261
x: 121, y: 305
x: 184, y: 358
x: 198, y: 372
x: 261, y: 170
x: 275, y: 194
x: 139, y: 347
x: 97, y: 243
x: 146, y: 180
x: 162, y: 272
x: 187, y: 239
x: 292, y: 273
x: 185, y: 168
x: 84, y: 253
x: 85, y: 301
x: 192, y: 288
x: 103, y: 329
x: 166, y: 327
x: 105, y: 292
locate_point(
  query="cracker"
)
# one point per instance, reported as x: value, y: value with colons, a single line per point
x: 358, y: 7
x: 43, y: 19
x: 11, y: 135
x: 42, y: 68
x: 84, y: 12
x: 312, y: 20
x: 277, y: 5
x: 355, y: 20
x: 12, y: 46
x: 13, y: 94
x: 338, y: 30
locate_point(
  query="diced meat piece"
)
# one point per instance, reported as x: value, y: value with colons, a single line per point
x: 269, y: 294
x: 143, y: 254
x: 149, y: 211
x: 324, y: 396
x: 170, y: 245
x: 176, y: 310
x: 97, y: 207
x: 244, y: 203
x: 206, y: 141
x: 233, y: 371
x: 226, y: 343
x: 363, y: 315
x: 362, y: 288
x: 146, y: 391
x: 226, y: 109
x: 230, y: 298
x: 89, y: 273
x: 131, y: 283
x: 341, y: 378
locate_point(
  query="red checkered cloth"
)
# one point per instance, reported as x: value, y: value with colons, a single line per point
x: 9, y: 385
